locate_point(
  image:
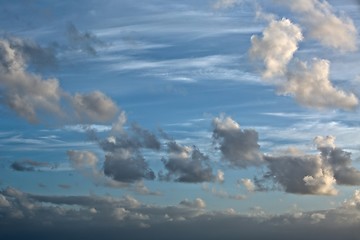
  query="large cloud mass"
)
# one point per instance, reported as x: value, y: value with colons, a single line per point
x: 31, y: 96
x: 323, y: 25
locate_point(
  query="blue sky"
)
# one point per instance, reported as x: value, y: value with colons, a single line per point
x: 135, y: 117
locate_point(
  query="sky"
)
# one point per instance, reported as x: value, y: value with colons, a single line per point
x: 177, y: 119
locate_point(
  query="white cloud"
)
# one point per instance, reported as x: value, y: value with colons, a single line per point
x: 323, y: 25
x: 248, y: 184
x: 311, y: 87
x: 277, y: 46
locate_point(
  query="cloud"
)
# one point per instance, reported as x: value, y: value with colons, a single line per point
x: 339, y: 160
x: 95, y: 106
x: 308, y: 83
x: 301, y: 174
x: 84, y: 41
x: 27, y: 165
x: 127, y: 216
x: 322, y: 24
x: 312, y: 174
x: 277, y: 46
x: 186, y: 164
x: 197, y: 203
x: 31, y: 96
x: 239, y: 147
x: 248, y: 184
x: 311, y: 87
x: 224, y: 4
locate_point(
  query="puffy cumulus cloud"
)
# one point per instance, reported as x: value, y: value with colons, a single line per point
x: 239, y: 147
x: 302, y: 175
x: 224, y: 4
x: 86, y: 163
x: 311, y: 174
x: 353, y: 202
x: 92, y: 217
x: 276, y: 47
x: 339, y: 160
x: 124, y: 161
x: 248, y: 184
x: 24, y: 92
x: 82, y: 159
x: 323, y: 25
x: 30, y: 96
x: 124, y: 164
x: 95, y: 106
x: 311, y: 87
x: 186, y: 164
x: 197, y: 203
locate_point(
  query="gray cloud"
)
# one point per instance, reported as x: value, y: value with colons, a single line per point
x: 301, y: 174
x: 84, y: 41
x: 27, y: 165
x: 36, y: 216
x: 29, y: 95
x: 186, y: 164
x: 311, y: 174
x: 239, y: 147
x: 340, y: 162
x: 124, y: 163
x: 323, y: 25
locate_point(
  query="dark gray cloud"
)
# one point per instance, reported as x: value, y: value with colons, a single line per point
x: 84, y: 41
x: 341, y: 164
x: 123, y: 166
x: 301, y: 174
x: 27, y: 165
x: 24, y: 216
x: 310, y: 174
x: 239, y: 147
x: 124, y: 162
x: 186, y: 164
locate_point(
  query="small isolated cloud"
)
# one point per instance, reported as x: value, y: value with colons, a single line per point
x: 277, y: 46
x: 220, y: 176
x: 186, y: 164
x: 248, y: 184
x: 197, y: 203
x: 27, y: 165
x: 225, y: 4
x: 311, y: 87
x: 324, y: 25
x: 239, y: 147
x: 84, y: 41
